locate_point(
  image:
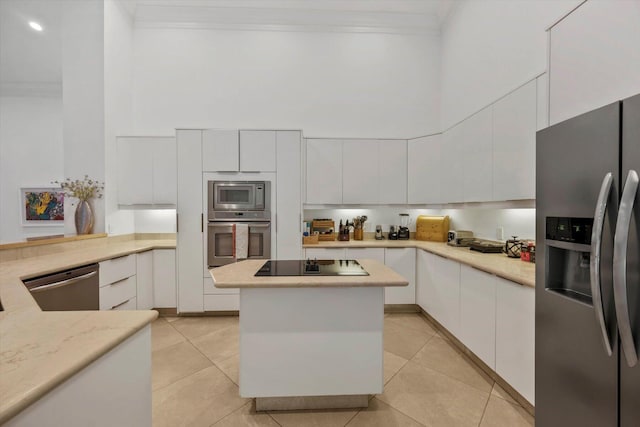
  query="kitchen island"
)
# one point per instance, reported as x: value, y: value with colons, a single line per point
x: 310, y: 342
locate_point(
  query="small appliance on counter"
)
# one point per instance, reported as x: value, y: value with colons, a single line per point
x: 432, y: 228
x: 461, y: 238
x: 513, y: 247
x: 486, y: 246
x: 379, y: 235
x: 393, y: 233
x: 403, y: 229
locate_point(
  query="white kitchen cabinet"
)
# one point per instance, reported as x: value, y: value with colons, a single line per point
x: 542, y: 101
x: 164, y: 280
x: 365, y: 253
x: 222, y: 302
x: 477, y: 156
x: 392, y: 172
x: 146, y: 171
x: 514, y: 144
x: 257, y: 151
x: 593, y: 58
x: 478, y: 313
x: 515, y: 336
x: 289, y: 195
x: 324, y: 171
x: 324, y: 253
x: 425, y: 168
x: 452, y: 161
x: 144, y: 280
x: 116, y: 294
x: 220, y: 150
x: 439, y: 289
x: 403, y: 262
x: 360, y: 175
x: 189, y: 250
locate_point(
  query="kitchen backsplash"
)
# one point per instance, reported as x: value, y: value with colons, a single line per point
x: 484, y: 222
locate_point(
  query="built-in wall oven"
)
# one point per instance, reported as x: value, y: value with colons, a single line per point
x: 231, y: 205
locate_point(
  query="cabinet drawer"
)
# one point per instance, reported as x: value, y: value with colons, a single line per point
x: 210, y: 288
x: 113, y: 270
x: 130, y: 304
x: 221, y: 302
x: 117, y: 293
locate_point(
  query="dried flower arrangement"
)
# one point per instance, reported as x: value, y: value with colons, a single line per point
x: 86, y: 189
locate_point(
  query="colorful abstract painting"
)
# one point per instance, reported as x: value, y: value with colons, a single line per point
x: 43, y: 206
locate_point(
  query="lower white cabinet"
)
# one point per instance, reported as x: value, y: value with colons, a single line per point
x: 324, y: 253
x: 115, y: 295
x: 478, y: 313
x: 365, y: 253
x: 230, y: 302
x: 438, y: 291
x: 164, y: 278
x: 515, y: 332
x: 403, y: 262
x: 144, y: 280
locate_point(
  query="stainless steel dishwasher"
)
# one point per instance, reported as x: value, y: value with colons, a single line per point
x: 74, y: 289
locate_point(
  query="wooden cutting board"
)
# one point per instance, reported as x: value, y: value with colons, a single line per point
x: 432, y: 228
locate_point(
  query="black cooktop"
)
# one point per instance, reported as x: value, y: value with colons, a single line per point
x: 315, y: 267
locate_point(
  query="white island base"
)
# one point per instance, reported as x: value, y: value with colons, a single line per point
x: 311, y: 347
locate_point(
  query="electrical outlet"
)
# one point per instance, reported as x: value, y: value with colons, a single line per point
x: 500, y: 233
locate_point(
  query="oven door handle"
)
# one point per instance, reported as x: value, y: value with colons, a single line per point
x: 260, y: 225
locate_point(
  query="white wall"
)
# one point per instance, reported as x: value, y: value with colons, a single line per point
x: 31, y: 155
x: 118, y: 120
x: 490, y: 47
x: 329, y: 84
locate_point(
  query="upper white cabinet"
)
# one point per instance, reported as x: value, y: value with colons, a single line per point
x: 289, y: 195
x: 476, y: 156
x: 392, y: 172
x: 514, y: 144
x: 146, y: 170
x: 238, y: 151
x: 360, y: 177
x: 258, y: 150
x: 452, y: 181
x: 324, y: 171
x: 425, y: 169
x: 371, y: 171
x: 593, y: 58
x: 220, y: 150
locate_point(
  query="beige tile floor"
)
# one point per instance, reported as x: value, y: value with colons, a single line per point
x: 427, y: 381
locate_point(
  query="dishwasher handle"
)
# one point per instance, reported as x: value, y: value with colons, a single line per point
x: 62, y: 283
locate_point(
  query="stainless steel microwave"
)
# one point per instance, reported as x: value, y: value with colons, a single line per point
x: 238, y: 196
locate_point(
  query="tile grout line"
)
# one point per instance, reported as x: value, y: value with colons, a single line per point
x: 484, y: 411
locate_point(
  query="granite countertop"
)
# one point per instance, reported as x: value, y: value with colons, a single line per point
x: 40, y: 350
x: 499, y: 264
x: 241, y: 275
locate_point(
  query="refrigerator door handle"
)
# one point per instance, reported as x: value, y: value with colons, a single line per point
x: 620, y: 267
x: 594, y: 268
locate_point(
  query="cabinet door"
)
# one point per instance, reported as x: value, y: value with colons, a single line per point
x: 135, y: 171
x: 478, y: 313
x: 258, y: 150
x: 360, y: 172
x: 190, y: 225
x: 289, y: 196
x: 425, y: 169
x: 165, y: 179
x: 439, y: 289
x: 392, y: 172
x: 477, y: 156
x: 324, y: 253
x: 403, y: 262
x: 365, y: 253
x: 220, y: 150
x: 164, y: 279
x: 324, y: 171
x: 144, y: 280
x: 452, y: 165
x: 593, y: 58
x: 515, y: 331
x: 514, y: 145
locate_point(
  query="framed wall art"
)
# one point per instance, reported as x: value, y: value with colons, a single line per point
x: 42, y: 206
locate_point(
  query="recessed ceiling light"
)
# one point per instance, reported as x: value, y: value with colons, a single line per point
x: 35, y: 25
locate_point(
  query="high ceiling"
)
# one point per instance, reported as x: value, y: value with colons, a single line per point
x: 28, y: 57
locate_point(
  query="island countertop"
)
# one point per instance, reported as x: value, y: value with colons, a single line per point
x: 242, y: 275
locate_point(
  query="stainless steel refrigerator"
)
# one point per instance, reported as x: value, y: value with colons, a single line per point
x: 588, y: 269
